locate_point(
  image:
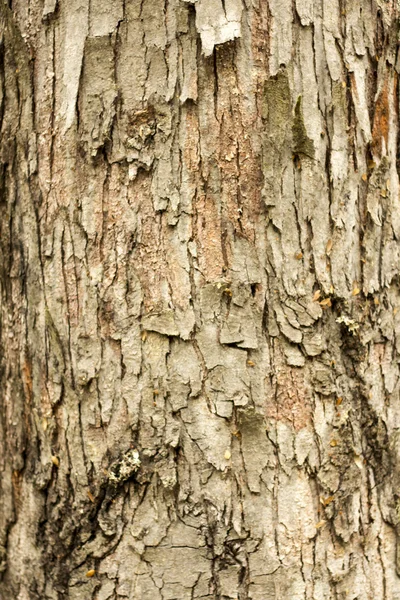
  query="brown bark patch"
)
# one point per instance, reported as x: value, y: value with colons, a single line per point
x: 16, y: 479
x: 292, y: 399
x: 260, y: 28
x: 27, y: 378
x: 210, y: 235
x: 239, y: 166
x: 148, y: 256
x: 380, y: 129
x: 191, y: 150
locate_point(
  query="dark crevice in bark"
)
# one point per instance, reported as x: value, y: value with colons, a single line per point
x: 351, y: 119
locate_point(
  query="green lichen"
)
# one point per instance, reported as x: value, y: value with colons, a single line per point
x: 302, y: 144
x: 276, y: 109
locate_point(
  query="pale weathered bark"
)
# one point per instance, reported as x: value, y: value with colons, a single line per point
x: 200, y: 223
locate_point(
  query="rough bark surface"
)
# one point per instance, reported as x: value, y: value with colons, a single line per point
x: 199, y: 271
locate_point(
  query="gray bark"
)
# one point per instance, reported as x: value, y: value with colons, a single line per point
x: 199, y: 271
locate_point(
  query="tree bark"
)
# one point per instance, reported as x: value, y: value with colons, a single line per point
x: 199, y: 273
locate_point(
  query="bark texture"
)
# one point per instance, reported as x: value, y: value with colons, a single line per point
x: 199, y: 271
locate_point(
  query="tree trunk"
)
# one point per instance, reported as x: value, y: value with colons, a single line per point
x: 199, y: 270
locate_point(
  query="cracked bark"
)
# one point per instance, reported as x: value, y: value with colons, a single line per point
x: 200, y: 263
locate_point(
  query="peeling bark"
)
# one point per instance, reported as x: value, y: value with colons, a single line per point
x: 199, y: 324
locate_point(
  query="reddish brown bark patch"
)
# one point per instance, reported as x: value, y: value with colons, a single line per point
x: 210, y: 236
x: 292, y: 399
x: 380, y: 129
